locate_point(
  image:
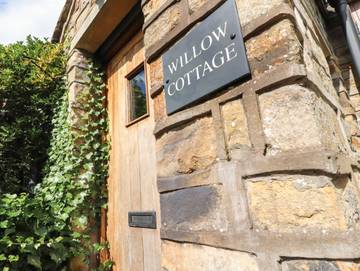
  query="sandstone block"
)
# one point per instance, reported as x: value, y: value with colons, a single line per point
x: 77, y: 74
x: 166, y: 22
x: 305, y: 265
x: 353, y: 82
x: 355, y: 101
x: 296, y: 118
x: 317, y: 66
x: 351, y: 199
x: 275, y: 46
x: 288, y: 203
x: 151, y: 7
x: 83, y: 13
x: 192, y: 257
x: 251, y: 9
x: 187, y: 148
x: 159, y: 107
x: 194, y: 209
x: 195, y: 5
x: 235, y: 124
x: 77, y: 58
x: 76, y: 90
x: 156, y: 72
x: 355, y: 143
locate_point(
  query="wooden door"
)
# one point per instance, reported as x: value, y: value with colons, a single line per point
x: 132, y: 173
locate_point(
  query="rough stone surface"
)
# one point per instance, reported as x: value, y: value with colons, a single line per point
x: 251, y: 9
x: 76, y: 90
x: 191, y: 257
x: 151, y: 7
x: 159, y: 107
x: 77, y: 58
x: 275, y: 46
x: 296, y: 118
x: 82, y: 14
x: 235, y: 124
x: 81, y: 11
x: 355, y: 100
x: 77, y: 74
x: 353, y: 84
x: 195, y: 5
x: 320, y: 265
x: 355, y: 143
x: 351, y: 199
x: 163, y: 25
x: 156, y: 73
x: 299, y: 202
x: 317, y: 65
x: 187, y: 148
x: 194, y: 209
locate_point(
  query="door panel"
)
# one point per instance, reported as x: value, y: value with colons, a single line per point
x: 132, y: 172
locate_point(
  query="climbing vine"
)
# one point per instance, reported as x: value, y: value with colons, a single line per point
x: 45, y: 229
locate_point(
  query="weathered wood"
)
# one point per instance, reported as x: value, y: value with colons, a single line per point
x: 132, y: 180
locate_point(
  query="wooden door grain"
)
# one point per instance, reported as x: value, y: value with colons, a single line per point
x: 132, y: 171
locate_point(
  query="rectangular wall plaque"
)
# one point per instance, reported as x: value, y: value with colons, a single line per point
x: 142, y: 220
x: 210, y: 57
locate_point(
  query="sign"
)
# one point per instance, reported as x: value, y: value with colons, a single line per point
x: 210, y: 57
x: 142, y: 219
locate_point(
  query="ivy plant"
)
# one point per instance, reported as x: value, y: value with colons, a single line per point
x: 45, y: 227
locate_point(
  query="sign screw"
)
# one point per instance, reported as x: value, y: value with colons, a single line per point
x: 232, y: 36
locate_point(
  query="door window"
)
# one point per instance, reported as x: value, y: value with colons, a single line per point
x: 137, y: 95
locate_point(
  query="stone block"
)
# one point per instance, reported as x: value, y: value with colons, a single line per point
x: 159, y: 107
x: 296, y: 203
x: 353, y: 82
x: 193, y: 257
x: 320, y: 265
x: 194, y: 209
x: 355, y: 143
x: 77, y: 58
x: 187, y: 148
x: 275, y: 46
x: 166, y: 22
x: 235, y: 124
x: 317, y: 66
x: 355, y: 101
x: 351, y: 199
x: 76, y: 91
x: 251, y: 9
x: 77, y: 74
x: 156, y: 72
x: 294, y: 117
x: 83, y: 14
x: 196, y: 5
x: 151, y: 7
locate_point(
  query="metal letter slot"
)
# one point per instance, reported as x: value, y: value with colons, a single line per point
x: 142, y: 220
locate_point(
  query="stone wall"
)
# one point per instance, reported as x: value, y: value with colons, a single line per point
x: 77, y: 63
x: 344, y: 78
x: 261, y: 177
x: 264, y: 176
x: 76, y: 12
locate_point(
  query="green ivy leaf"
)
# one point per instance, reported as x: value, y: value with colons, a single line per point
x: 13, y: 258
x: 4, y: 224
x: 34, y: 260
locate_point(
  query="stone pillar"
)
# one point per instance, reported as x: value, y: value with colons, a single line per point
x: 77, y: 68
x: 263, y: 176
